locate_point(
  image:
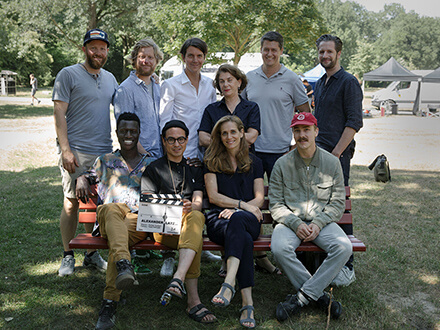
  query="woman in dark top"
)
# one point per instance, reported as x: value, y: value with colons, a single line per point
x: 230, y: 81
x: 234, y: 184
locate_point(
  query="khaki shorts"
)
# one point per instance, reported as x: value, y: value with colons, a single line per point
x: 85, y: 162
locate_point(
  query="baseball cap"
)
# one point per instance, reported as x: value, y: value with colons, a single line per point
x: 96, y: 34
x: 175, y: 123
x: 304, y: 118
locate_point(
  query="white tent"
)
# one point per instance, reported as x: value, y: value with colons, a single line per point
x: 314, y: 74
x: 248, y: 62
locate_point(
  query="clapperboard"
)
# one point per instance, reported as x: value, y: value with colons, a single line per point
x: 160, y: 213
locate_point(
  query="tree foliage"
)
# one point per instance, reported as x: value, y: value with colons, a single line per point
x: 236, y: 25
x: 42, y: 36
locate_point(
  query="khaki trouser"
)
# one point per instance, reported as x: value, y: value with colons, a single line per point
x: 118, y: 225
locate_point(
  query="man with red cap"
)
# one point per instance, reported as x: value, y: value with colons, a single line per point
x: 307, y: 198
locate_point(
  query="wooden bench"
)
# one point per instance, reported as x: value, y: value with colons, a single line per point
x: 88, y: 215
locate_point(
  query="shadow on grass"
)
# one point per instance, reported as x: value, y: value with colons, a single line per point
x: 397, y: 283
x: 9, y: 111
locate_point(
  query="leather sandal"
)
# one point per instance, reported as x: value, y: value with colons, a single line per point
x: 249, y: 309
x: 220, y: 295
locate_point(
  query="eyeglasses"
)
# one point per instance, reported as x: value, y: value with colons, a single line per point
x: 172, y: 140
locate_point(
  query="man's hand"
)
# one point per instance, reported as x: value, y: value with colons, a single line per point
x: 194, y: 162
x: 187, y: 206
x: 314, y: 232
x: 69, y: 161
x: 82, y: 189
x: 302, y: 231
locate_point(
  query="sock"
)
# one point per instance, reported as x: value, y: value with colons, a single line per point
x: 303, y: 298
x: 68, y: 253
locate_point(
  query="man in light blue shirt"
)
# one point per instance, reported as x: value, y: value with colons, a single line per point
x: 140, y: 94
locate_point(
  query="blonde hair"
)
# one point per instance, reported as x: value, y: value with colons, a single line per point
x: 216, y: 156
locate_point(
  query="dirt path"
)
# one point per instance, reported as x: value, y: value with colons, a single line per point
x: 409, y: 142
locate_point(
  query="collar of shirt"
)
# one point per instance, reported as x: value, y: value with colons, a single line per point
x: 138, y: 80
x: 281, y: 71
x: 185, y: 79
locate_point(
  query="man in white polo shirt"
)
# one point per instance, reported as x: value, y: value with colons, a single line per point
x: 277, y: 91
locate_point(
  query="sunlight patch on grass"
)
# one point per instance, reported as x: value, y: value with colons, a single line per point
x: 430, y: 279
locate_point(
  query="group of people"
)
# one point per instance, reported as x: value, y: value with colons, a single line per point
x: 175, y: 138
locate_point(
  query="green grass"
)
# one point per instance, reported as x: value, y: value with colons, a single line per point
x: 8, y: 111
x: 397, y: 287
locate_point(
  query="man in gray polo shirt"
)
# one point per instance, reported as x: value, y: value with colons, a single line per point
x: 82, y: 95
x: 139, y: 93
x: 277, y: 90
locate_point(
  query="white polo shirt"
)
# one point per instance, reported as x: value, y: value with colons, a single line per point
x: 179, y: 100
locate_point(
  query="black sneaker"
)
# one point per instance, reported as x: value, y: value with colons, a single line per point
x: 126, y: 278
x: 335, y: 310
x: 288, y: 308
x: 107, y: 315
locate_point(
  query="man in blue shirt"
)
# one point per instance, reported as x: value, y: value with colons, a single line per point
x: 140, y: 94
x: 338, y: 109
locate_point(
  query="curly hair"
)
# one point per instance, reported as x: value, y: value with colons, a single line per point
x: 145, y: 43
x: 216, y: 157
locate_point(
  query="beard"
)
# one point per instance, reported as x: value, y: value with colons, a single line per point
x: 329, y: 65
x: 94, y: 62
x: 144, y: 71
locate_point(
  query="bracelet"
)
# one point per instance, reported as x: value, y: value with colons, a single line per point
x: 239, y: 203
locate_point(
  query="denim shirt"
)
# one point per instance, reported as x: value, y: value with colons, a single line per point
x: 133, y: 96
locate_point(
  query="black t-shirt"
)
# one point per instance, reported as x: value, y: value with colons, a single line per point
x: 158, y: 179
x: 239, y: 185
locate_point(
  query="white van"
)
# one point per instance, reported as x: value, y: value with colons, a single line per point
x: 403, y: 93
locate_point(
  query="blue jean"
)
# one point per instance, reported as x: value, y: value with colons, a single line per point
x: 331, y: 239
x: 237, y: 234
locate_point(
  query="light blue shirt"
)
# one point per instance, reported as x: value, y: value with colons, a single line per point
x: 133, y: 96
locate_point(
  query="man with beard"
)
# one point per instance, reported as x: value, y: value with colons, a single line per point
x: 140, y: 94
x: 307, y: 198
x: 82, y: 95
x: 338, y: 109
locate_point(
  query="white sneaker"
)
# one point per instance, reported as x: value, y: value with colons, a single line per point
x: 207, y: 255
x: 95, y: 261
x: 167, y: 269
x: 344, y: 278
x: 67, y: 266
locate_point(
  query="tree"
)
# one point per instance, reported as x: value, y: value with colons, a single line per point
x: 237, y: 25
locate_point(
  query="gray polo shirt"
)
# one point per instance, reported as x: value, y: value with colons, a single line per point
x: 88, y: 113
x: 276, y: 96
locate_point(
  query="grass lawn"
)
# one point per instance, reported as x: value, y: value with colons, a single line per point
x: 398, y: 279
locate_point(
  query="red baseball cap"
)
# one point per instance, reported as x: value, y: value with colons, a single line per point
x: 304, y: 118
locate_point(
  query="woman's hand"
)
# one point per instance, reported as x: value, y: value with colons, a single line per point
x: 226, y: 213
x: 255, y: 210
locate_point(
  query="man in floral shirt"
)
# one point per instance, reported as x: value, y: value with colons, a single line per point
x: 118, y: 176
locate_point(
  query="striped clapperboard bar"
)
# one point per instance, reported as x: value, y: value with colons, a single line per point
x: 160, y: 213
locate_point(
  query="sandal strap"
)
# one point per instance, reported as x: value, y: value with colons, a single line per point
x: 180, y: 285
x: 199, y: 317
x: 230, y: 287
x: 247, y: 307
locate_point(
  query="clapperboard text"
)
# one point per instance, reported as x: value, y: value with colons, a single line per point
x: 160, y: 213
